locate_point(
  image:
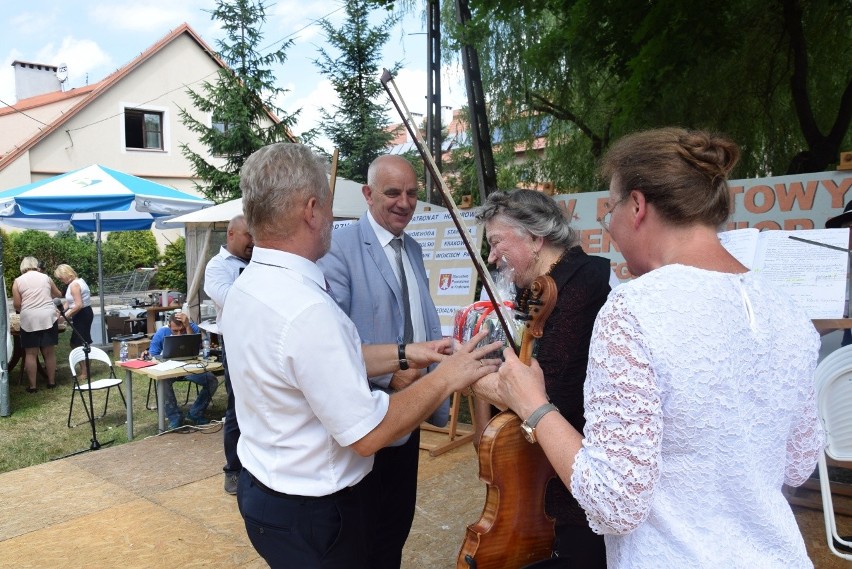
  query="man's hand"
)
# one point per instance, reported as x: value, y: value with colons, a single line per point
x: 424, y: 354
x: 402, y: 379
x: 469, y: 363
x: 183, y: 317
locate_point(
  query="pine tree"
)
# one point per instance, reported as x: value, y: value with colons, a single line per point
x: 357, y: 125
x: 241, y: 101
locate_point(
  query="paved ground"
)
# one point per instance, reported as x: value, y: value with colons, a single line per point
x: 158, y: 502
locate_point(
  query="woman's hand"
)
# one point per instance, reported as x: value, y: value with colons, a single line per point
x: 517, y: 386
x: 521, y: 386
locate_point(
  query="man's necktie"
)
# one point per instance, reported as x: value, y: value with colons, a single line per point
x: 408, y: 332
x: 328, y: 290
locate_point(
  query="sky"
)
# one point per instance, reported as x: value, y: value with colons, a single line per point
x: 96, y: 37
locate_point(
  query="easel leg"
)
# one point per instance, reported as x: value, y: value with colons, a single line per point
x: 457, y: 437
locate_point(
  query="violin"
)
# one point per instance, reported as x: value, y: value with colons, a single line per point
x: 514, y: 529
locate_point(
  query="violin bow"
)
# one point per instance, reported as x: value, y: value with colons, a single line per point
x: 429, y: 162
x: 332, y: 179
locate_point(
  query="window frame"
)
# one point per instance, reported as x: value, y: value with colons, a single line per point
x: 144, y: 111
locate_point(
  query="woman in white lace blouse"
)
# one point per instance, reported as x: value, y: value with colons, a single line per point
x: 699, y: 395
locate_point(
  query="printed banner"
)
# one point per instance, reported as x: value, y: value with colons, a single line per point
x: 803, y: 201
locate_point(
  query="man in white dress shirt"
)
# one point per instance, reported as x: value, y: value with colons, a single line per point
x: 309, y: 422
x: 219, y: 275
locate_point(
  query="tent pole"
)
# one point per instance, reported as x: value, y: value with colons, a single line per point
x: 192, y: 293
x: 101, y: 278
x: 5, y: 411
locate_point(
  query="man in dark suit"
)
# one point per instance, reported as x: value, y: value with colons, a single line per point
x: 387, y: 306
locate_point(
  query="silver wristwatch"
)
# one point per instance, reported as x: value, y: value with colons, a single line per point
x: 528, y: 426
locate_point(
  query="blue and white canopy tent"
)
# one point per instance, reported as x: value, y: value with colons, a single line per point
x: 92, y: 199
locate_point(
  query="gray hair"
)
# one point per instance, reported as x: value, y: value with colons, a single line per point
x: 275, y: 181
x: 532, y: 212
x: 28, y: 264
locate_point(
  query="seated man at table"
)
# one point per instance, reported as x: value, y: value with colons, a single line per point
x: 179, y: 323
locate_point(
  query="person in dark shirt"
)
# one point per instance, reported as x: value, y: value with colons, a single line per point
x: 529, y: 234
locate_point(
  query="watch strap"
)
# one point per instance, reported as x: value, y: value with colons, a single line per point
x: 403, y: 362
x: 536, y: 415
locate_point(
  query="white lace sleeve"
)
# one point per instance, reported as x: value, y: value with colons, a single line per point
x: 806, y: 438
x: 617, y: 469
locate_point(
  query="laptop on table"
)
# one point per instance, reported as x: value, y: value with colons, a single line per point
x: 181, y: 347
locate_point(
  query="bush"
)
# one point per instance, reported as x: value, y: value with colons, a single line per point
x: 11, y: 269
x: 124, y: 251
x: 172, y: 273
x: 63, y: 247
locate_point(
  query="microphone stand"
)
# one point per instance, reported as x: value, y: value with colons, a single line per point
x: 96, y: 445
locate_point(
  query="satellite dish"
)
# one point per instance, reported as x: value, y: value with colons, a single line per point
x: 62, y: 73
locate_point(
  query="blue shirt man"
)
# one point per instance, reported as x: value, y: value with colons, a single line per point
x: 179, y: 323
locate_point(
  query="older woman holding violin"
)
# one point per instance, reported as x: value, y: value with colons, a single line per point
x: 699, y: 394
x: 529, y: 235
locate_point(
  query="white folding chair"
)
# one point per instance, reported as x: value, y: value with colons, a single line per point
x: 838, y: 359
x: 834, y: 402
x: 78, y: 356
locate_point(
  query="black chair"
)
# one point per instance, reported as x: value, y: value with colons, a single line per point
x: 156, y: 399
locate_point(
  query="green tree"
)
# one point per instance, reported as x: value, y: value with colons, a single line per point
x: 172, y: 272
x: 357, y: 124
x: 124, y: 251
x: 460, y: 173
x: 240, y: 101
x: 11, y: 263
x: 587, y: 71
x: 79, y: 251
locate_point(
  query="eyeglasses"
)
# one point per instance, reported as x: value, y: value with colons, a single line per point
x: 606, y: 218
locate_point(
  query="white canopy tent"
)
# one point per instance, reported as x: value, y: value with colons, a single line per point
x: 349, y: 203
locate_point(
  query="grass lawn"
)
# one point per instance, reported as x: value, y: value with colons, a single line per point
x: 37, y: 431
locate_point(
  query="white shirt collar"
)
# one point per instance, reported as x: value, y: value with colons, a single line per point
x: 290, y: 261
x: 384, y: 236
x: 228, y: 255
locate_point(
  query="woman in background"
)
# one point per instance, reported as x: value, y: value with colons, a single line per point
x: 530, y: 236
x: 32, y: 296
x: 699, y: 397
x: 78, y: 307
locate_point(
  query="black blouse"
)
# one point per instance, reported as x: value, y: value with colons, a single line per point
x: 582, y: 282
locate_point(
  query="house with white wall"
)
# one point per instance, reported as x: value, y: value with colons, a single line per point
x: 128, y: 121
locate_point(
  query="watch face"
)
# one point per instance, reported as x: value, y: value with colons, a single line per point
x: 529, y: 432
